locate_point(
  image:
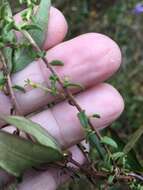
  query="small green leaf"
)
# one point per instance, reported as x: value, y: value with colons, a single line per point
x: 83, y: 120
x: 110, y: 179
x: 109, y: 141
x: 96, y: 116
x: 32, y: 128
x: 90, y: 134
x: 2, y: 79
x: 7, y: 51
x: 40, y: 54
x: 118, y: 155
x: 132, y: 158
x: 19, y: 88
x: 95, y: 143
x: 1, y: 45
x: 30, y: 27
x: 68, y: 84
x: 41, y: 19
x: 53, y: 79
x: 24, y: 56
x: 18, y: 154
x: 57, y: 63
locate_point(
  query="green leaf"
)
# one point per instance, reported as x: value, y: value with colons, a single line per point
x: 30, y: 127
x: 30, y: 27
x: 110, y: 179
x: 131, y: 156
x: 90, y: 134
x: 118, y: 155
x: 83, y: 120
x: 53, y: 80
x: 7, y: 51
x: 41, y: 54
x: 109, y: 141
x: 133, y: 140
x: 2, y: 8
x: 23, y: 56
x: 96, y: 144
x: 18, y: 154
x: 68, y: 84
x: 2, y: 79
x: 19, y: 88
x: 57, y: 63
x: 41, y: 19
x: 96, y: 116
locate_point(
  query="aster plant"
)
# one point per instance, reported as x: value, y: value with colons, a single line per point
x: 113, y: 158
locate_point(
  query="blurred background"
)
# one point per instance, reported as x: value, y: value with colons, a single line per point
x: 117, y: 19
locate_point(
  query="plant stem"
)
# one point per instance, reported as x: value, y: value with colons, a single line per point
x: 15, y: 104
x: 45, y: 89
x: 67, y: 92
x: 137, y: 176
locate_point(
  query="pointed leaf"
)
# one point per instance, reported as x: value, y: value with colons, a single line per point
x: 19, y: 88
x: 96, y: 116
x: 30, y: 27
x: 91, y: 137
x: 118, y: 155
x: 2, y: 79
x: 23, y: 56
x: 18, y: 154
x: 109, y: 141
x: 83, y: 120
x: 96, y: 144
x: 32, y: 128
x: 7, y: 51
x: 57, y: 63
x: 133, y: 161
x: 41, y: 19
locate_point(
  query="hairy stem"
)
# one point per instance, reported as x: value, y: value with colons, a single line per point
x: 67, y: 92
x: 15, y: 105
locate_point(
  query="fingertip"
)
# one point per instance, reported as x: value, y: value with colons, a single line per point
x: 110, y: 108
x: 114, y: 98
x: 115, y: 56
x: 108, y: 51
x: 57, y: 28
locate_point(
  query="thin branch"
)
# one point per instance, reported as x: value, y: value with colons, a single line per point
x: 67, y: 92
x: 14, y: 102
x: 137, y: 176
x: 45, y: 89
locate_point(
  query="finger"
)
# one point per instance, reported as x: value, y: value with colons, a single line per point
x: 84, y: 63
x: 52, y: 178
x: 56, y: 29
x: 62, y: 123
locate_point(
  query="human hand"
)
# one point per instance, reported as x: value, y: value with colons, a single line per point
x: 89, y: 59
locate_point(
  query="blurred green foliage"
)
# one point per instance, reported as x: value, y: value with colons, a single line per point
x: 117, y: 20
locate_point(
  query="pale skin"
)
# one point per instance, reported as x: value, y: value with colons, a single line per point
x: 89, y: 59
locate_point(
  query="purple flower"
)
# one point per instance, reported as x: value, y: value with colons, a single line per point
x: 138, y: 8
